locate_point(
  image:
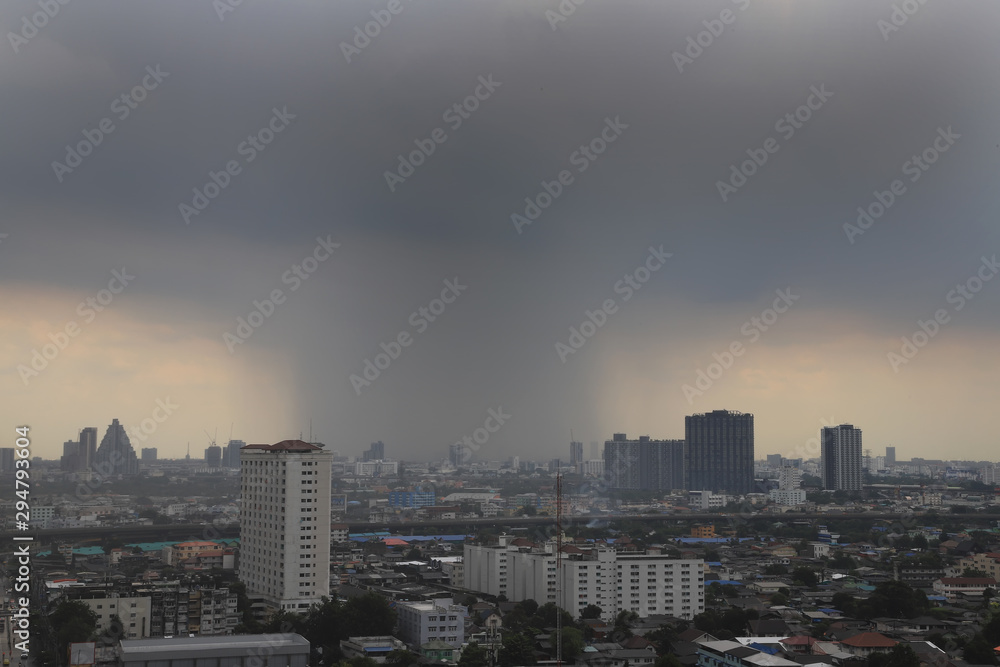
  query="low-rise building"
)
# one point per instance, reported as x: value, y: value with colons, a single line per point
x: 787, y: 496
x: 339, y: 532
x: 287, y: 650
x: 439, y: 619
x: 133, y: 613
x: 988, y: 564
x: 952, y: 587
x: 706, y: 500
x: 375, y: 647
x: 645, y: 583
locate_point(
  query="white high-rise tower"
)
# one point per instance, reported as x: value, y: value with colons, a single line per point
x: 285, y: 524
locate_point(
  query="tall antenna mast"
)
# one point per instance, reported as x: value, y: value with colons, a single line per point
x: 559, y: 613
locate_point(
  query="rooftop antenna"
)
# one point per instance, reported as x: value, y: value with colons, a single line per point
x: 231, y: 424
x: 310, y: 430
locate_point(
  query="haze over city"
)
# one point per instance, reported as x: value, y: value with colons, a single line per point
x: 651, y: 241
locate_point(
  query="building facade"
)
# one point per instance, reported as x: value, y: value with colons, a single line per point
x: 285, y: 524
x: 615, y: 581
x: 412, y: 498
x: 88, y: 445
x: 719, y: 452
x: 213, y: 457
x: 231, y: 454
x: 841, y: 460
x: 115, y: 455
x: 653, y: 465
x: 376, y: 452
x: 434, y: 620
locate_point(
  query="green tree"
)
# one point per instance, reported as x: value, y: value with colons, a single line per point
x: 991, y: 631
x: 368, y: 615
x: 248, y: 625
x: 474, y: 655
x: 842, y: 561
x: 775, y: 569
x: 591, y: 611
x: 572, y: 644
x: 517, y: 650
x: 401, y: 658
x: 283, y: 621
x: 779, y: 600
x: 547, y: 614
x: 900, y: 655
x: 978, y: 652
x: 324, y: 627
x: 895, y: 599
x: 667, y: 660
x: 804, y: 576
x: 529, y: 607
x: 844, y: 602
x: 72, y: 621
x: 663, y: 637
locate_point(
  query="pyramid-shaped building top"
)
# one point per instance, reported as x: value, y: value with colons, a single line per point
x: 115, y: 455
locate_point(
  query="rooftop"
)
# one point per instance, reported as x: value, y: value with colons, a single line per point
x: 286, y: 446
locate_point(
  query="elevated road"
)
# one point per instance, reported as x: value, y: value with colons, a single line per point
x: 453, y: 526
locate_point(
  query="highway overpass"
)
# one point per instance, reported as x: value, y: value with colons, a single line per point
x: 444, y: 526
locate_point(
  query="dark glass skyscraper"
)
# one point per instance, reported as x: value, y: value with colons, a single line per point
x: 841, y: 458
x: 718, y: 452
x: 375, y: 453
x: 651, y: 465
x: 575, y: 453
x: 88, y: 445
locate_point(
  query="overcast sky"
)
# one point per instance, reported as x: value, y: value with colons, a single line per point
x: 648, y: 107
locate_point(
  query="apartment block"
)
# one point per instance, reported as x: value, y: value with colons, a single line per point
x: 615, y: 581
x: 285, y: 524
x: 434, y: 620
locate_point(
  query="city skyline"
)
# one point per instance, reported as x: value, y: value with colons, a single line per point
x: 597, y: 225
x: 810, y: 449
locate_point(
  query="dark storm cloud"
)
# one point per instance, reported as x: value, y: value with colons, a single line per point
x: 655, y: 184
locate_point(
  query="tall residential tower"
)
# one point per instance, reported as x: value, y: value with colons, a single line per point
x: 841, y: 458
x: 654, y: 465
x: 718, y: 452
x: 285, y: 524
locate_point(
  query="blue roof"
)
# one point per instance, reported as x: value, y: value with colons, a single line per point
x: 764, y: 648
x: 708, y: 540
x: 713, y: 563
x: 364, y: 537
x: 725, y: 582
